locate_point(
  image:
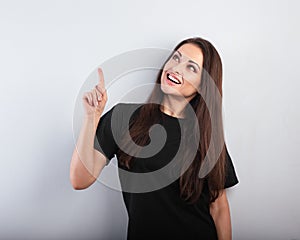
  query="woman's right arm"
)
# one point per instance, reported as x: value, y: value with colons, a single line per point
x: 87, y: 163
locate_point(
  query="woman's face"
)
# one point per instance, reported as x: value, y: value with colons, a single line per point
x: 182, y: 73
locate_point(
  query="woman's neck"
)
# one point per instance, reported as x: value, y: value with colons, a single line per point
x: 173, y: 106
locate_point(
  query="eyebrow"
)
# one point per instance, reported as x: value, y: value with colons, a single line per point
x: 189, y: 60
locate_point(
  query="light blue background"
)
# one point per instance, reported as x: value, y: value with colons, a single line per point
x: 49, y: 48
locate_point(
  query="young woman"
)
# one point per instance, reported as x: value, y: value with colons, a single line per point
x: 192, y: 206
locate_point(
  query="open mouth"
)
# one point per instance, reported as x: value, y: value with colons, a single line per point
x: 173, y: 79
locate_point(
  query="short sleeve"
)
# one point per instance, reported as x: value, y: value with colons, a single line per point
x: 104, y: 140
x: 230, y: 176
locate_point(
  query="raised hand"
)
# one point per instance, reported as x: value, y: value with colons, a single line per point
x: 95, y: 100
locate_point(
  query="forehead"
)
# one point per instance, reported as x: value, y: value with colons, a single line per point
x: 192, y: 52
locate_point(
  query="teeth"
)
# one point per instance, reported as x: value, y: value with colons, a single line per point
x: 173, y: 79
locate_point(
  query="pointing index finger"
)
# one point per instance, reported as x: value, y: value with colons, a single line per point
x: 101, y: 78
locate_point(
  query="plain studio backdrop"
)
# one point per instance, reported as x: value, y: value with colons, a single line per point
x: 49, y: 50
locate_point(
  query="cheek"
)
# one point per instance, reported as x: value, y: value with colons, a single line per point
x: 192, y: 83
x: 168, y: 65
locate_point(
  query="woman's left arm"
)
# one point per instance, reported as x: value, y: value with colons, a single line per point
x: 220, y: 212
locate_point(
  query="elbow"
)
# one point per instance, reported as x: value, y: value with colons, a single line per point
x: 76, y: 185
x: 79, y: 177
x: 75, y: 180
x: 79, y: 181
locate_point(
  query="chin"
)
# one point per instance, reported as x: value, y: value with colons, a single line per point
x: 171, y: 93
x: 168, y: 90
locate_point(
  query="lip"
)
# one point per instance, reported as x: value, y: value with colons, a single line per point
x: 174, y: 76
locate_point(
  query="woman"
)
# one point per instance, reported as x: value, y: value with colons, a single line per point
x: 191, y: 207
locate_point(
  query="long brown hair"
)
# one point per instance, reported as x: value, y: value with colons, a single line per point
x: 191, y: 185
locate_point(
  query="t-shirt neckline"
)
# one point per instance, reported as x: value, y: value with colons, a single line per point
x: 170, y: 116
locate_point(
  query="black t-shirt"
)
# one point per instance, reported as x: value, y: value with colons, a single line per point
x: 160, y: 214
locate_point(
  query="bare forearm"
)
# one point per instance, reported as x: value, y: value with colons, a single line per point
x: 82, y: 164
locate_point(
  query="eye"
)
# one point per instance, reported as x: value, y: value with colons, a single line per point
x: 192, y: 68
x: 175, y: 57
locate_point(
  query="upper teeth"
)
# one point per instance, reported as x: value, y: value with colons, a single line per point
x: 173, y: 79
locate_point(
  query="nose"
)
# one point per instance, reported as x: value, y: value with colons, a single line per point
x: 178, y: 68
